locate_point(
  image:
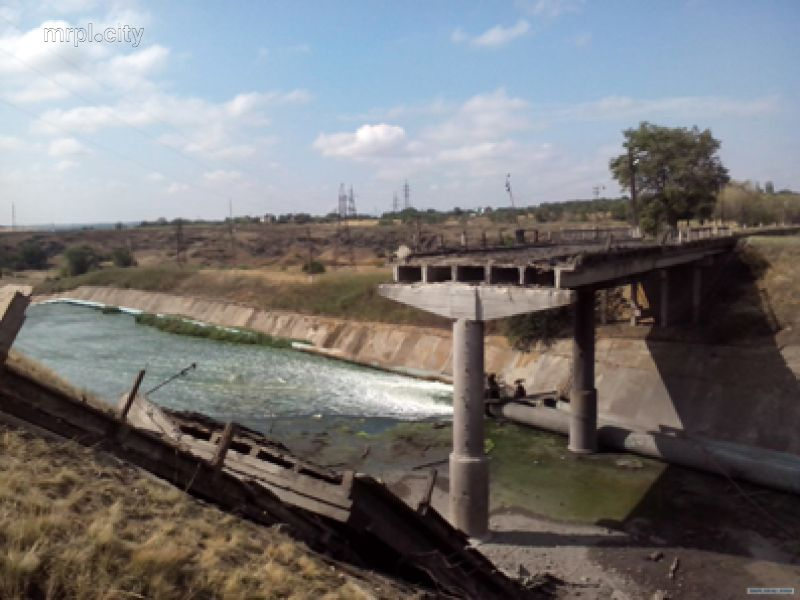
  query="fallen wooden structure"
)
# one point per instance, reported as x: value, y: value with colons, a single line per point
x: 348, y: 516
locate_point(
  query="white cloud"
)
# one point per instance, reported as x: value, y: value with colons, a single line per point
x: 367, y: 141
x: 484, y: 116
x: 176, y: 188
x: 478, y: 139
x: 494, y: 36
x: 10, y: 143
x: 468, y: 150
x: 142, y: 62
x: 64, y: 147
x: 65, y: 165
x: 155, y: 176
x: 222, y: 176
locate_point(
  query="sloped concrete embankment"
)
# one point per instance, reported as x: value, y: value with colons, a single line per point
x: 745, y: 394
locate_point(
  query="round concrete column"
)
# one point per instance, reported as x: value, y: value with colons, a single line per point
x: 583, y: 398
x: 469, y: 469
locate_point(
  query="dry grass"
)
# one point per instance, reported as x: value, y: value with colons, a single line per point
x: 780, y: 283
x: 79, y: 524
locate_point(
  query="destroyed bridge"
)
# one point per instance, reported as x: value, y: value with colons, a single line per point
x: 475, y: 285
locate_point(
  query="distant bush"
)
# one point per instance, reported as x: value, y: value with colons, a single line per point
x: 122, y: 257
x: 747, y: 204
x: 31, y: 255
x: 80, y: 260
x: 313, y: 268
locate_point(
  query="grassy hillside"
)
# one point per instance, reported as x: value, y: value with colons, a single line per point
x: 759, y: 292
x: 347, y: 294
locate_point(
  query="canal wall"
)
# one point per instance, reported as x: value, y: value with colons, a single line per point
x: 744, y: 394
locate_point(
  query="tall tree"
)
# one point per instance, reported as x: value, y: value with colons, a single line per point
x: 676, y: 173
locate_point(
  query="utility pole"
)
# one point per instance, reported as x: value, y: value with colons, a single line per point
x: 310, y: 249
x: 180, y: 253
x: 230, y: 229
x: 13, y: 216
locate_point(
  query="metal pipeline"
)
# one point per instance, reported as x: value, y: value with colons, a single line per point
x: 777, y: 470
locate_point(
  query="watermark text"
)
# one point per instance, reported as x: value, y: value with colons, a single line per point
x: 82, y: 35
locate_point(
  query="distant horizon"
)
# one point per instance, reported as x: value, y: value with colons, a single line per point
x: 152, y: 110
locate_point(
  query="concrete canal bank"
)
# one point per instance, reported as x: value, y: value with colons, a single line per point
x: 742, y: 394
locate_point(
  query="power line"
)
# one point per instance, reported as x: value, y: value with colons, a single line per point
x: 198, y: 163
x: 103, y: 147
x: 103, y: 85
x: 185, y: 139
x: 112, y: 114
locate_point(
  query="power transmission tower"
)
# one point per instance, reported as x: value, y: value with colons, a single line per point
x: 347, y: 206
x: 351, y: 204
x: 406, y: 195
x: 508, y: 189
x: 13, y: 216
x: 395, y: 203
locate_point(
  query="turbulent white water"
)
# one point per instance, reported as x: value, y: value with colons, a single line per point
x: 103, y: 352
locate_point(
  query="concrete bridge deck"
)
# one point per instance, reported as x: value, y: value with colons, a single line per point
x: 603, y: 258
x: 473, y: 285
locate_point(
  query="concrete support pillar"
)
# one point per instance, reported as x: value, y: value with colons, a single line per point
x: 697, y: 293
x: 583, y: 398
x: 663, y: 304
x: 635, y: 310
x: 469, y: 469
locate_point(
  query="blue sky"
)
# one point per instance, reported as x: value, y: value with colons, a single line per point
x: 271, y: 105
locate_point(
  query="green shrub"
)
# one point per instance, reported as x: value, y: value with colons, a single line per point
x: 31, y: 255
x: 122, y: 257
x: 80, y: 260
x: 314, y: 267
x: 522, y: 331
x: 181, y: 326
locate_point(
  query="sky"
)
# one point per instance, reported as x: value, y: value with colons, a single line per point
x: 145, y: 109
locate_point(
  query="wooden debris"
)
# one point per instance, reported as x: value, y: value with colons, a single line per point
x: 123, y: 413
x: 349, y: 516
x: 224, y: 444
x: 674, y: 568
x: 14, y: 299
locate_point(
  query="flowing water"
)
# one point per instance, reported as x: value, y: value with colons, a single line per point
x: 246, y: 383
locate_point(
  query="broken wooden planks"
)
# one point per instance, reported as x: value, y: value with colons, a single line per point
x: 350, y: 517
x: 14, y: 300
